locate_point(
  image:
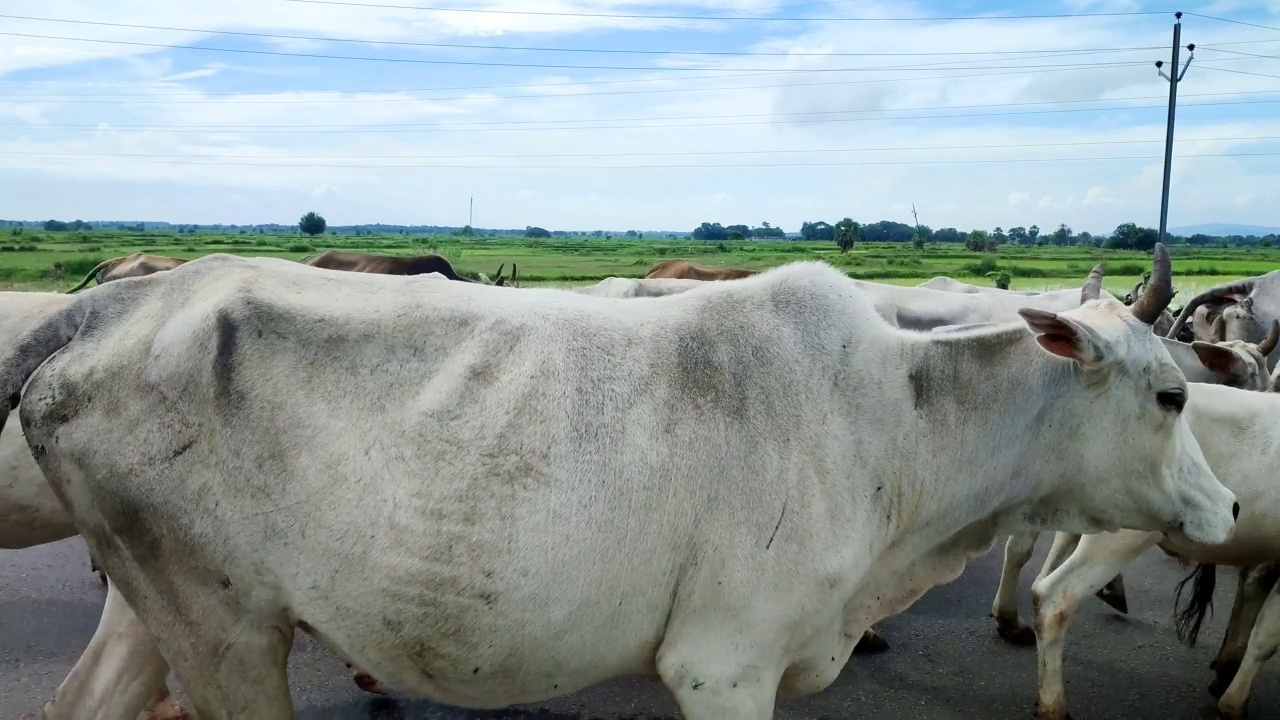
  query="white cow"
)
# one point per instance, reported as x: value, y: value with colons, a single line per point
x: 1234, y: 364
x: 946, y: 284
x: 31, y: 515
x: 922, y: 308
x: 617, y: 287
x: 491, y: 503
x: 1239, y: 432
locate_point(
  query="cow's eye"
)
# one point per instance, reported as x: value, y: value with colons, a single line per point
x: 1172, y: 400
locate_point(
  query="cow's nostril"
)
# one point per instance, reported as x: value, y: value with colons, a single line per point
x: 1235, y: 511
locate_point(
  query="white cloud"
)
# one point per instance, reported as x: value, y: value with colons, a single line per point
x: 268, y: 156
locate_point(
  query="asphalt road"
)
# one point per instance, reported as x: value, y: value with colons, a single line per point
x: 946, y: 661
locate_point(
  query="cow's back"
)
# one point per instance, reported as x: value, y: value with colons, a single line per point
x: 29, y: 511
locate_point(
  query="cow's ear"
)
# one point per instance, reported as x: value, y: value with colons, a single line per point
x: 1064, y: 337
x: 1223, y: 362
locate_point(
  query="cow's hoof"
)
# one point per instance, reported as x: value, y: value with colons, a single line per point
x: 1226, y: 672
x: 1230, y: 713
x: 369, y: 683
x: 1113, y: 595
x: 871, y: 643
x: 1059, y: 714
x: 1015, y: 632
x: 102, y: 576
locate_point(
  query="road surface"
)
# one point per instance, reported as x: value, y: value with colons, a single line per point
x: 946, y: 661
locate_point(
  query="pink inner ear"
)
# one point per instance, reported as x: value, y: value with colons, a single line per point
x: 1220, y: 360
x: 1059, y: 345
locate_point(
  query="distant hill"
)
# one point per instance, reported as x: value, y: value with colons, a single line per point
x: 1224, y: 229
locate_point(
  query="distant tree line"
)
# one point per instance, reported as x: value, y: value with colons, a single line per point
x: 715, y: 232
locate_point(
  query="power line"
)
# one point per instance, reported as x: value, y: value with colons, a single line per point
x: 682, y: 153
x: 1237, y: 52
x: 488, y: 123
x: 626, y: 16
x: 1241, y: 72
x: 616, y: 82
x: 615, y: 51
x: 682, y: 167
x: 303, y: 101
x: 426, y: 61
x: 486, y: 126
x: 1233, y: 22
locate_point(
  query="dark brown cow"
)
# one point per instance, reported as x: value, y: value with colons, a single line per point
x: 396, y: 265
x: 683, y: 269
x: 135, y: 265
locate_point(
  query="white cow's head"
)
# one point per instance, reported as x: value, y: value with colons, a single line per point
x: 1154, y: 476
x: 1240, y: 364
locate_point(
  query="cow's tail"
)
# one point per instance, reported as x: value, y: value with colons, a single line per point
x: 1187, y: 621
x: 35, y: 346
x: 92, y: 274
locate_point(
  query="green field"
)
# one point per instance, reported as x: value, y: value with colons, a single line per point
x: 53, y: 261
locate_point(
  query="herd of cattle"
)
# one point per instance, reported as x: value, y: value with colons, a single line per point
x: 492, y: 495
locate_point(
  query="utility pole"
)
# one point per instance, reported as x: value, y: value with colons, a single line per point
x: 471, y: 212
x: 1173, y: 104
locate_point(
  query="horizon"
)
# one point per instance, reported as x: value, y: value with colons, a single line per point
x: 980, y: 123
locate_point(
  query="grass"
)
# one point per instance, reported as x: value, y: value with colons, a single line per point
x: 56, y: 261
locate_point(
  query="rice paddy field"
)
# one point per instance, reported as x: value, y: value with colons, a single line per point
x: 55, y: 261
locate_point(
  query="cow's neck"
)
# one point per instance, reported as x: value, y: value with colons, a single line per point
x: 987, y: 405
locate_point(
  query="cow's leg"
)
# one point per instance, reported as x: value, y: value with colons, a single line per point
x: 228, y: 649
x: 1250, y: 595
x: 1063, y: 545
x: 714, y: 678
x: 871, y: 642
x: 120, y: 674
x: 234, y: 668
x: 1263, y: 642
x: 1004, y: 608
x: 1056, y: 596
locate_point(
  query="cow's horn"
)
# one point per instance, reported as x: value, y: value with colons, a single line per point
x: 1269, y: 342
x: 1092, y: 289
x: 1159, y: 289
x: 1239, y: 287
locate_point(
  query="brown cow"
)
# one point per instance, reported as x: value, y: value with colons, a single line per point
x: 683, y: 269
x: 395, y: 265
x: 135, y: 265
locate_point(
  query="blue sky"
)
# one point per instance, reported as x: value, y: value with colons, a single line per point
x: 979, y: 123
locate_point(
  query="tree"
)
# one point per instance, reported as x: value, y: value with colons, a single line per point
x: 1130, y: 236
x: 742, y: 230
x: 1001, y: 277
x: 948, y: 235
x: 531, y: 231
x: 1033, y: 232
x: 980, y: 241
x: 311, y: 224
x: 710, y: 232
x: 846, y: 234
x: 820, y: 231
x: 998, y: 236
x: 1062, y: 236
x: 736, y: 235
x: 1019, y: 235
